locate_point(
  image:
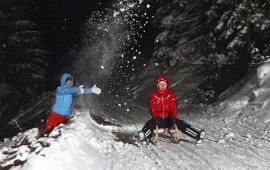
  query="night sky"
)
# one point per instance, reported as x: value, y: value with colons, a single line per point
x: 60, y: 23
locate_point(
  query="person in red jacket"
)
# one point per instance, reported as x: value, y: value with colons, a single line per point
x: 163, y: 109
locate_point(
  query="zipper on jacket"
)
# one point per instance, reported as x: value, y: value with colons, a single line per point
x: 162, y: 106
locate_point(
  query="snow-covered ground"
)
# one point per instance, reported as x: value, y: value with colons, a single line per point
x: 237, y: 129
x: 84, y: 144
x: 237, y: 138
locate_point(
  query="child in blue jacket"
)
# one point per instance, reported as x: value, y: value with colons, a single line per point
x: 62, y: 104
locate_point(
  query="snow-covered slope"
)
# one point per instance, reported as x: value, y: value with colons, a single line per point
x: 72, y: 146
x: 250, y: 102
x: 237, y: 136
x: 84, y: 144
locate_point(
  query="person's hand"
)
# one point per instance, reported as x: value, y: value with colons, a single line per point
x: 81, y: 89
x: 96, y: 90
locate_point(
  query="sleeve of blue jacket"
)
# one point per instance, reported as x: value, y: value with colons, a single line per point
x: 66, y: 90
x: 87, y: 90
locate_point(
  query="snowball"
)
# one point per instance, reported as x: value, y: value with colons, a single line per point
x: 248, y: 136
x: 116, y: 14
x: 221, y: 141
x: 102, y: 67
x: 230, y: 135
x: 147, y: 6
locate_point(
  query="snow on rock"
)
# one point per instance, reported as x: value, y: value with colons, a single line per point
x: 249, y: 98
x: 263, y: 74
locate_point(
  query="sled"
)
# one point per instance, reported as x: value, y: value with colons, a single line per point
x: 173, y: 132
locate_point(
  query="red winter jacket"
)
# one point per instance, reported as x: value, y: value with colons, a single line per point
x: 162, y: 103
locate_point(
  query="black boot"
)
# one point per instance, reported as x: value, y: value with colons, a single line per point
x: 148, y: 133
x: 190, y: 131
x: 141, y: 136
x: 202, y: 134
x: 147, y: 130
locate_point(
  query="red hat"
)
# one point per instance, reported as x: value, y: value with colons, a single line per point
x: 159, y: 79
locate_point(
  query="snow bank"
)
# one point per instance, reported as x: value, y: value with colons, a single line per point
x: 263, y: 74
x: 249, y: 100
x: 72, y: 147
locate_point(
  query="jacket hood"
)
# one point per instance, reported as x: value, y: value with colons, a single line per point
x: 159, y: 79
x: 64, y: 77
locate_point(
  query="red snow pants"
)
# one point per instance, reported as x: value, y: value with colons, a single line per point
x: 53, y: 120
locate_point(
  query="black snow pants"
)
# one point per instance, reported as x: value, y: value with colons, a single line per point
x: 184, y: 127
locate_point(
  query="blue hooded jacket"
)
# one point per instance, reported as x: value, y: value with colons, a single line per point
x: 63, y: 100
